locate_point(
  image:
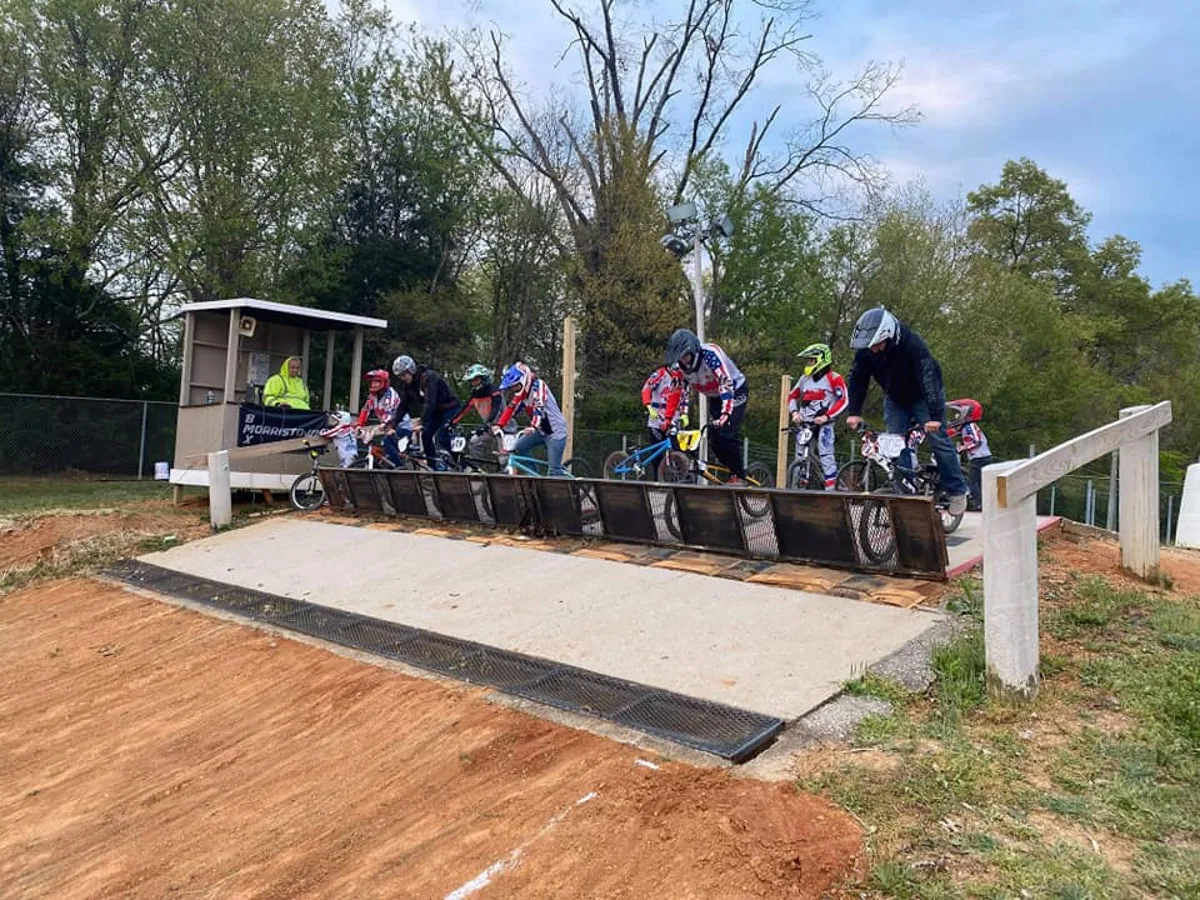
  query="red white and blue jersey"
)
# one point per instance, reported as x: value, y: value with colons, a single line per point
x: 539, y: 403
x: 665, y: 388
x: 974, y: 442
x: 716, y: 376
x: 382, y: 405
x: 824, y: 396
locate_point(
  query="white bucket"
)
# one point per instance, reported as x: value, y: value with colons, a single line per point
x: 162, y: 471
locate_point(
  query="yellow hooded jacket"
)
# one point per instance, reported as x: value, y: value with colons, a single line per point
x: 284, y: 390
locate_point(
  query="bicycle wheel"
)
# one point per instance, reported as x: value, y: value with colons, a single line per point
x: 307, y: 492
x: 931, y: 487
x: 613, y: 462
x: 674, y: 467
x: 756, y: 505
x: 860, y: 476
x: 802, y: 477
x: 875, y: 528
x: 669, y: 517
x: 577, y: 467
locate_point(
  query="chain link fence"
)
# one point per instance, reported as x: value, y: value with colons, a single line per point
x: 46, y: 435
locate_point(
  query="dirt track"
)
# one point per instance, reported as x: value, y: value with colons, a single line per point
x: 150, y: 751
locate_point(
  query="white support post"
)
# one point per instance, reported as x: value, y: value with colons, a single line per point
x: 1138, y: 511
x: 356, y: 369
x: 327, y: 387
x: 1010, y: 588
x: 229, y: 391
x: 220, y: 500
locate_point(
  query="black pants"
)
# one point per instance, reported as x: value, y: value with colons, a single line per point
x: 727, y: 441
x: 976, y: 481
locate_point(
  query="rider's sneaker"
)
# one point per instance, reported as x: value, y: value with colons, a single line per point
x: 958, y: 504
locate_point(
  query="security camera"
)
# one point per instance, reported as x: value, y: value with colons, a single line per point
x: 681, y: 213
x: 675, y: 245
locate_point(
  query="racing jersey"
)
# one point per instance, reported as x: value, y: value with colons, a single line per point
x: 715, y: 376
x: 974, y: 442
x: 382, y: 405
x: 665, y: 387
x: 486, y: 401
x: 542, y: 408
x: 812, y: 397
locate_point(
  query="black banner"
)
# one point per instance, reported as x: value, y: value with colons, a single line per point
x: 263, y: 424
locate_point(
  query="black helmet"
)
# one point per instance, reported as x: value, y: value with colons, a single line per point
x: 873, y: 327
x: 680, y: 344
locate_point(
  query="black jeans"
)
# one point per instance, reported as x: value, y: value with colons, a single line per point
x: 436, y: 432
x: 727, y: 441
x: 976, y: 480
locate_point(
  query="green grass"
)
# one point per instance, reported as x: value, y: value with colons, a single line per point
x: 22, y: 496
x: 994, y: 800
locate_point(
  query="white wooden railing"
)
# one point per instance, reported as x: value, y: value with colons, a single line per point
x: 1010, y: 577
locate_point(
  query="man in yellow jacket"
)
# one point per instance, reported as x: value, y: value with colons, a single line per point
x: 287, y: 389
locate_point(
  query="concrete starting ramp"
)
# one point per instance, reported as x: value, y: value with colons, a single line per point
x: 771, y: 651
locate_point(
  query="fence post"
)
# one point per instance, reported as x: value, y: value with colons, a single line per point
x: 625, y: 444
x: 1053, y: 491
x: 1139, y: 502
x: 568, y: 384
x: 1110, y: 521
x: 1010, y: 588
x: 220, y: 501
x: 142, y: 442
x: 745, y: 451
x: 1089, y: 498
x: 781, y: 462
x: 1170, y: 515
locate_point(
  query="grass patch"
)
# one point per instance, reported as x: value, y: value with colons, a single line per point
x: 1092, y: 791
x: 21, y: 496
x: 872, y: 685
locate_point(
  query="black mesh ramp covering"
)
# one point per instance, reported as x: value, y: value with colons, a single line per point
x: 363, y: 491
x: 725, y: 731
x: 334, y: 483
x: 454, y: 497
x: 508, y: 501
x: 708, y: 518
x: 559, y: 505
x: 814, y: 526
x: 920, y: 539
x: 625, y: 511
x: 406, y: 494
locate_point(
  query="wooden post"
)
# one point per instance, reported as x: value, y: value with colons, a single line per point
x: 781, y: 458
x: 1010, y: 588
x: 356, y: 369
x: 327, y: 395
x: 231, y: 356
x: 220, y: 501
x: 568, y: 384
x: 1138, y: 511
x: 185, y: 374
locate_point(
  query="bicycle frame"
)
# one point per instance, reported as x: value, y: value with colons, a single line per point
x: 531, y: 465
x: 906, y: 480
x: 640, y: 459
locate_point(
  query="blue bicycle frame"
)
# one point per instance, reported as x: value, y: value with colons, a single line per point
x: 639, y: 460
x: 531, y: 465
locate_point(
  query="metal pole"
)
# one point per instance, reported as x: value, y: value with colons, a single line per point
x: 745, y: 450
x: 1111, y: 520
x: 1170, y: 515
x: 698, y: 299
x: 1090, y: 504
x: 142, y: 442
x: 1053, y: 491
x: 1032, y: 451
x: 625, y: 443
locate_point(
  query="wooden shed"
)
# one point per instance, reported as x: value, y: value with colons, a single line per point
x: 230, y: 349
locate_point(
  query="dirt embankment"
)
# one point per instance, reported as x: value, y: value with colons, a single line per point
x: 150, y: 751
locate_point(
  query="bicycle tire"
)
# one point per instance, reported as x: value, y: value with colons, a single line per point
x: 860, y: 476
x: 875, y: 533
x: 577, y: 467
x: 612, y: 462
x: 303, y: 495
x: 669, y: 518
x: 756, y: 506
x: 801, y: 477
x: 675, y: 467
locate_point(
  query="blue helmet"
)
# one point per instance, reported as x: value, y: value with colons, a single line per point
x: 516, y: 374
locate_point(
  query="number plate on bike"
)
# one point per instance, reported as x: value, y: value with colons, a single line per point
x: 458, y: 444
x: 891, y: 445
x: 804, y: 435
x: 402, y: 444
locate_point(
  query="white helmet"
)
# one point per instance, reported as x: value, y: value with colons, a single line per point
x: 874, y: 327
x: 403, y: 364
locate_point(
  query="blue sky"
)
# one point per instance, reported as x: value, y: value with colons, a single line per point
x: 1103, y: 94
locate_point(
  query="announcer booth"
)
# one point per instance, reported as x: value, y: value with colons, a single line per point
x: 230, y: 349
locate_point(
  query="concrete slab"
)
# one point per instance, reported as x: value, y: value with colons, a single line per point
x: 965, y: 546
x: 766, y: 649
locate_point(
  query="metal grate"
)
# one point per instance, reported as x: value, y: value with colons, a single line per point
x: 725, y: 731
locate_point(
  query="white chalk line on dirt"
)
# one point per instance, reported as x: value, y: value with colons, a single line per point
x: 484, y: 878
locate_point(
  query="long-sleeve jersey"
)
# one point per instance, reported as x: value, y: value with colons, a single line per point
x: 431, y: 390
x: 906, y: 371
x: 715, y: 376
x: 381, y: 405
x: 974, y: 442
x: 823, y: 396
x: 486, y: 401
x: 539, y: 403
x: 665, y: 388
